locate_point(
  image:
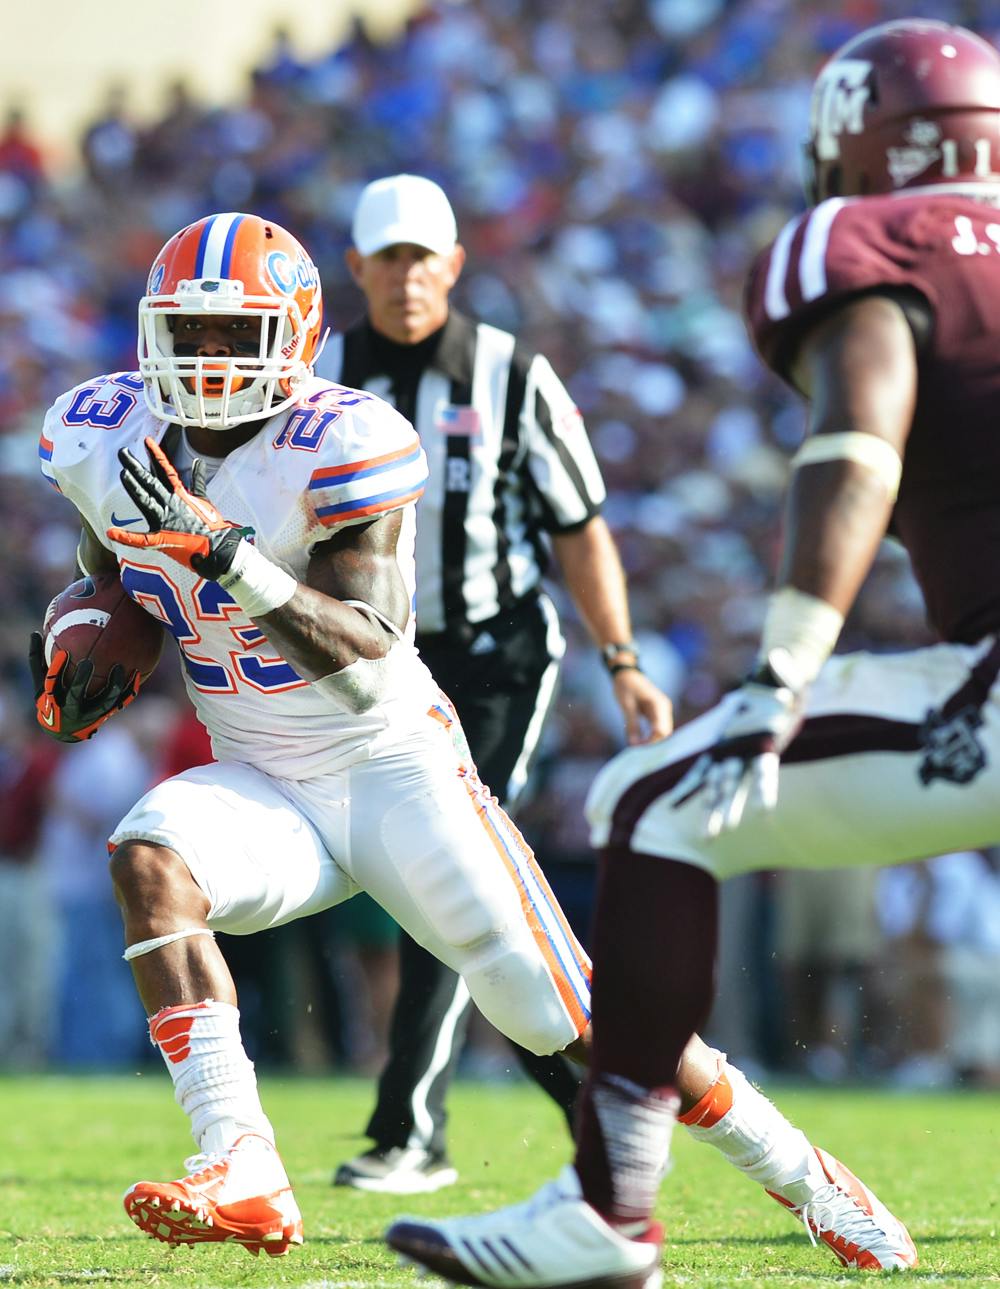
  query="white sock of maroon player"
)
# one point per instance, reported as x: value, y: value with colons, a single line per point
x: 654, y: 955
x: 750, y: 1131
x: 214, y: 1080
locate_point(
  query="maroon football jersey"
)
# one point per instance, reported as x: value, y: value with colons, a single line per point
x: 946, y: 247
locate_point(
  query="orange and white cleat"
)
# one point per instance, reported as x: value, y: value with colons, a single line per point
x: 841, y: 1212
x: 242, y: 1196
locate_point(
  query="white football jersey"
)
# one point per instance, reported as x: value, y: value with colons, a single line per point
x: 339, y: 456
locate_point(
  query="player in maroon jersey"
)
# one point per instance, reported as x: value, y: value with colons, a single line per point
x: 881, y: 305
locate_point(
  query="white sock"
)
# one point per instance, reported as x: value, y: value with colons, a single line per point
x: 750, y: 1131
x: 214, y: 1080
x: 636, y: 1125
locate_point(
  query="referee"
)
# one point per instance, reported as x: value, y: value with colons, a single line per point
x: 512, y: 474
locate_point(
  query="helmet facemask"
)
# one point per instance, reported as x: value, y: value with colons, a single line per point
x: 218, y: 392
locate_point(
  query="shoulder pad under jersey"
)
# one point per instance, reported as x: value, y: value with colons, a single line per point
x: 363, y: 458
x: 92, y: 418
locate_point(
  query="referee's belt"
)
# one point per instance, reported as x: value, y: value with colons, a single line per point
x: 464, y: 633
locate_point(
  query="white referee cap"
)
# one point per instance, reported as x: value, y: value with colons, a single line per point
x: 404, y: 208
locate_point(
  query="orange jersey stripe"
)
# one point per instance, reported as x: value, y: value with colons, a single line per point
x: 349, y: 467
x: 394, y: 503
x: 579, y: 953
x: 481, y: 800
x: 566, y: 992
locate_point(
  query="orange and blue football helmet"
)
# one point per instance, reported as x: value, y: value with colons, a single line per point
x: 223, y: 266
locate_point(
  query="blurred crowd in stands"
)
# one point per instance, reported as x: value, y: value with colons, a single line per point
x: 614, y: 167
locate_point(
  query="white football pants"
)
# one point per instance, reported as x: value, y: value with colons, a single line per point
x: 898, y: 759
x: 417, y: 830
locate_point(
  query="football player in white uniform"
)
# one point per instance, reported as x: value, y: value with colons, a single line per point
x: 266, y: 517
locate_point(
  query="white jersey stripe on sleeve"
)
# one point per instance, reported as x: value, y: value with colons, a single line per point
x: 812, y: 261
x: 361, y: 489
x: 775, y: 299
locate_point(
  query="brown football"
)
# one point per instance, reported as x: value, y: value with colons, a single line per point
x: 95, y: 618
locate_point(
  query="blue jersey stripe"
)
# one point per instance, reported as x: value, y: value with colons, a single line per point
x: 363, y: 471
x: 538, y: 900
x: 358, y: 503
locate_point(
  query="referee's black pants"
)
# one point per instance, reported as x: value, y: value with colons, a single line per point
x: 501, y: 682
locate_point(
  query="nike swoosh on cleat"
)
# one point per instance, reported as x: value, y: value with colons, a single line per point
x: 124, y: 523
x: 49, y: 718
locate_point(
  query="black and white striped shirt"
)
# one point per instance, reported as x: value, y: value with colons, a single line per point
x: 508, y: 455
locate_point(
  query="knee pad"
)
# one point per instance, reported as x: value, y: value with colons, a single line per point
x: 511, y: 987
x: 464, y: 902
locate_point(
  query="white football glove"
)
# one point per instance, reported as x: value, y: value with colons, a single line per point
x: 740, y: 772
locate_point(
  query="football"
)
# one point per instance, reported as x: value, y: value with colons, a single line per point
x: 94, y: 618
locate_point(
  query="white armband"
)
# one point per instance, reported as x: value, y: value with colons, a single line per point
x: 868, y: 450
x: 804, y: 628
x: 257, y: 584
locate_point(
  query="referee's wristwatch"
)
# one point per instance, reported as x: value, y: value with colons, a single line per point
x: 621, y: 656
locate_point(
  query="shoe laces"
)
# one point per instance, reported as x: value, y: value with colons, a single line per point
x: 195, y: 1166
x: 536, y: 1205
x: 833, y: 1209
x: 551, y: 1193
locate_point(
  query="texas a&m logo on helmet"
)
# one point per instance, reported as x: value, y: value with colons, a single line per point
x: 905, y: 104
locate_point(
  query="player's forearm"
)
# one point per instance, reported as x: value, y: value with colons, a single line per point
x: 592, y: 571
x: 320, y: 635
x: 316, y: 625
x: 837, y: 514
x: 859, y: 370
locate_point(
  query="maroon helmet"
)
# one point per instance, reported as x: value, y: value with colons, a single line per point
x: 901, y: 105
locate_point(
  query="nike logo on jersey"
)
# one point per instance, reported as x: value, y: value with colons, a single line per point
x: 124, y: 523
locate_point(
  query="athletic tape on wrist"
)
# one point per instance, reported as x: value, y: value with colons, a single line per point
x: 142, y: 947
x: 256, y: 584
x: 852, y: 445
x: 804, y: 627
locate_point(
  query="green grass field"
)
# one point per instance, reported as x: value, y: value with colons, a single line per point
x: 70, y: 1147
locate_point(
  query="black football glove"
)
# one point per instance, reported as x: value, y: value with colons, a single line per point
x: 182, y: 522
x: 65, y: 710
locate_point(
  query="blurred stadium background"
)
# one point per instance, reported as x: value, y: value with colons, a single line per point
x: 613, y: 166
